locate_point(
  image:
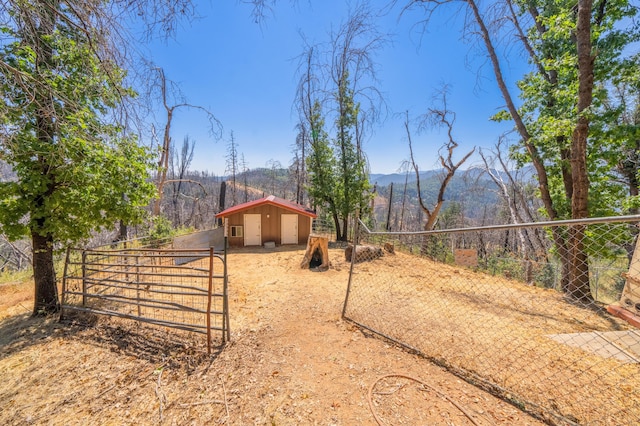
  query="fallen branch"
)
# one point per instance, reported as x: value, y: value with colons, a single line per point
x: 224, y: 393
x: 101, y: 394
x: 193, y: 404
x: 162, y: 398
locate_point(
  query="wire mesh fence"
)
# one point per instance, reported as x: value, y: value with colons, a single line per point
x: 181, y: 289
x: 326, y: 227
x: 525, y: 311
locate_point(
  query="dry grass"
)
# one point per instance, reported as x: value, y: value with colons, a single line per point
x: 15, y: 297
x: 292, y: 360
x: 498, y: 331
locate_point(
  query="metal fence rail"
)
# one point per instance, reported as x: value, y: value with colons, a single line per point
x: 501, y: 307
x: 182, y: 289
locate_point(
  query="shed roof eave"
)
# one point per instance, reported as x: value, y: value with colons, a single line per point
x: 272, y: 200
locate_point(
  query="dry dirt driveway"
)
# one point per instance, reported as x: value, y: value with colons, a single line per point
x: 292, y: 361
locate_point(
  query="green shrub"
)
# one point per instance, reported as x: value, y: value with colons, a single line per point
x: 160, y: 232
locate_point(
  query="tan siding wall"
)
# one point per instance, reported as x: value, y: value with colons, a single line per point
x: 270, y: 226
x: 304, y: 228
x: 235, y: 220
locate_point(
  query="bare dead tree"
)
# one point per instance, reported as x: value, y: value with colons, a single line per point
x: 14, y: 255
x: 186, y: 192
x: 308, y: 91
x: 273, y: 167
x: 352, y: 56
x: 298, y: 165
x: 195, y: 200
x: 439, y: 117
x: 406, y: 167
x: 309, y: 88
x: 172, y: 100
x: 388, y: 224
x: 245, y: 177
x: 260, y: 9
x: 513, y: 193
x: 179, y: 167
x: 353, y: 48
x: 232, y: 167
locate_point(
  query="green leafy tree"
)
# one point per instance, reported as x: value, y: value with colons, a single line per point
x: 355, y: 101
x: 550, y: 95
x: 336, y: 169
x: 340, y: 82
x: 624, y: 97
x: 321, y: 164
x: 76, y: 170
x: 352, y: 191
x: 578, y: 54
x: 576, y: 51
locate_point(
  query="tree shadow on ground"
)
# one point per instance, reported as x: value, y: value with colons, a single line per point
x: 159, y: 345
x: 600, y: 310
x: 172, y: 348
x: 19, y: 332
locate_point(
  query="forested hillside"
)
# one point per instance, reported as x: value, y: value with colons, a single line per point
x: 471, y: 197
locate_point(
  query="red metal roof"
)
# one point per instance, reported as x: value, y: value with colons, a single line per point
x: 271, y: 199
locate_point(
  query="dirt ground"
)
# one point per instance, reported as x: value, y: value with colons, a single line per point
x: 291, y: 361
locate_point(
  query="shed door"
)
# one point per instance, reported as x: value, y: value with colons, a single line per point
x: 289, y: 225
x: 252, y: 233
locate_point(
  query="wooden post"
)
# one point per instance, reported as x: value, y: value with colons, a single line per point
x: 316, y: 242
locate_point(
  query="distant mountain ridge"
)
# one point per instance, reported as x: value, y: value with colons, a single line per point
x: 475, y: 172
x: 472, y: 191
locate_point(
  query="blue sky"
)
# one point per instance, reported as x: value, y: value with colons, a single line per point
x: 245, y: 73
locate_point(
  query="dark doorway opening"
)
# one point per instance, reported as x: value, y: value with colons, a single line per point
x: 316, y: 259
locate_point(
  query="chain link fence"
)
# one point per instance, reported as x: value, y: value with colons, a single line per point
x: 326, y: 227
x: 538, y: 314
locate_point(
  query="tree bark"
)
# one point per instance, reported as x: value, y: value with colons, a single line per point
x: 123, y: 232
x: 538, y: 164
x: 575, y: 273
x: 578, y: 288
x: 336, y: 222
x: 320, y: 243
x: 163, y: 162
x: 44, y: 275
x: 579, y: 283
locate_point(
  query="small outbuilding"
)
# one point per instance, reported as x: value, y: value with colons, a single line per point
x: 267, y: 220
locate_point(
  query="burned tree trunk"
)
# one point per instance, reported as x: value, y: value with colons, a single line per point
x: 362, y: 253
x: 317, y: 254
